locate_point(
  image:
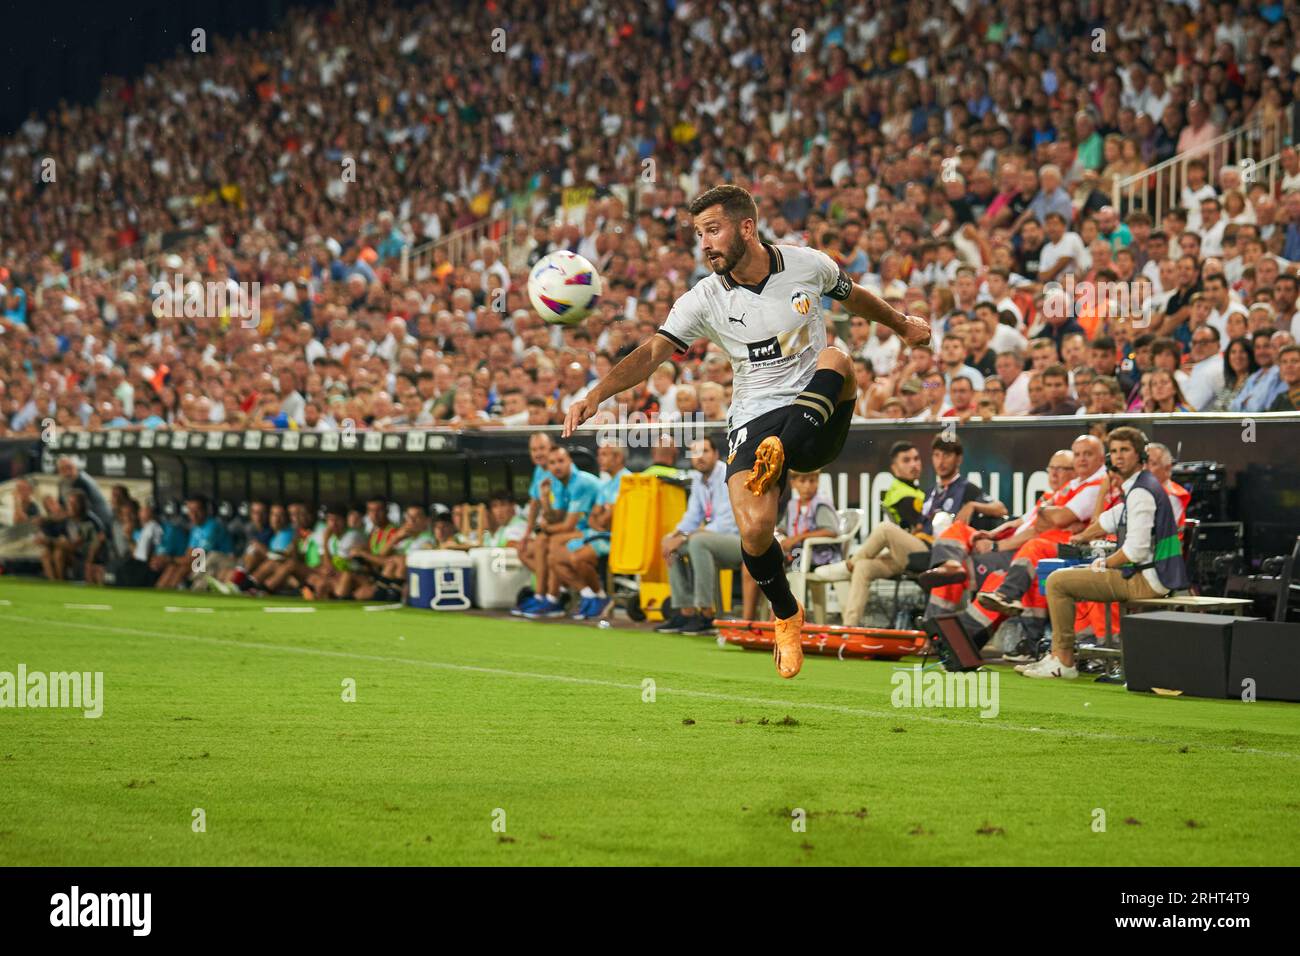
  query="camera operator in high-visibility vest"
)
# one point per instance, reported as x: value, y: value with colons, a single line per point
x: 1147, y: 563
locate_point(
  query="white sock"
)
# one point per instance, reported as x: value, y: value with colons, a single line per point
x: 553, y: 599
x: 587, y: 593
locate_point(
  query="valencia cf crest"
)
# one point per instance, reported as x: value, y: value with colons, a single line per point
x: 801, y: 303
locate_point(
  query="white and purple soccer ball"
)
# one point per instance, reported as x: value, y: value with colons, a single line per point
x: 564, y: 288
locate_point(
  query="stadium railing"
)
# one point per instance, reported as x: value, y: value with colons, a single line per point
x: 1158, y: 188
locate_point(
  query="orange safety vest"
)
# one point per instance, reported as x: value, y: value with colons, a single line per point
x: 1177, y: 491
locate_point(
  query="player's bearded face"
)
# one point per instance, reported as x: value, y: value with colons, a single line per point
x: 726, y: 259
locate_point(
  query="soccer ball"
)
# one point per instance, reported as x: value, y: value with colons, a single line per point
x: 564, y: 288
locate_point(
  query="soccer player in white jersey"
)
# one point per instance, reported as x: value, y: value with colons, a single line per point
x: 793, y: 395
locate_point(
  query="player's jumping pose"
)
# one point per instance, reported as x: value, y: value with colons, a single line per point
x: 792, y: 397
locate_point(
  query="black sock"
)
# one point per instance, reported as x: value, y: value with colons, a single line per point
x: 813, y: 407
x: 768, y: 571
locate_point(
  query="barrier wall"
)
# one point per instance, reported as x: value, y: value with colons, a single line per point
x: 1261, y: 456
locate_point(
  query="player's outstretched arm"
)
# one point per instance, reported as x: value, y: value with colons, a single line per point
x: 913, y: 329
x: 632, y: 371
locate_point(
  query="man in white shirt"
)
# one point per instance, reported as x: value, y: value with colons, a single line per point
x: 1015, y: 383
x: 1063, y: 252
x: 882, y: 349
x: 1205, y: 376
x: 1148, y: 562
x: 1212, y: 225
x: 997, y: 290
x: 1222, y: 303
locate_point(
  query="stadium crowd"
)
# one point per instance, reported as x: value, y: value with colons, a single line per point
x: 957, y: 157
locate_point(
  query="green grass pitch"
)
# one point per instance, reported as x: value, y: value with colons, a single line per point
x: 463, y: 724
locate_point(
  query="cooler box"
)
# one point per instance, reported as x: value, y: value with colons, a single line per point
x: 499, y: 575
x: 1047, y: 565
x: 440, y: 580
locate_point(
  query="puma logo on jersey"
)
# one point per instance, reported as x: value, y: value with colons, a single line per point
x: 739, y: 321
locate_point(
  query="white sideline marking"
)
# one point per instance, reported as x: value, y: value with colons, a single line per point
x: 900, y: 714
x: 289, y: 610
x: 6, y: 603
x: 88, y: 607
x: 190, y: 610
x: 382, y: 607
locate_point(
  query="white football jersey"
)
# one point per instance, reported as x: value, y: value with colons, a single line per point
x: 772, y: 332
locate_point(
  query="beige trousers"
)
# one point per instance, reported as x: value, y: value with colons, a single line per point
x: 1070, y: 585
x: 869, y: 564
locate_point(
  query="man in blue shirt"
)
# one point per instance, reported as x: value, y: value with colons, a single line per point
x: 705, y: 540
x: 567, y: 496
x: 539, y: 450
x: 578, y: 565
x: 207, y: 551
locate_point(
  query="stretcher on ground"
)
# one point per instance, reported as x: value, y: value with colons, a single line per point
x: 828, y: 639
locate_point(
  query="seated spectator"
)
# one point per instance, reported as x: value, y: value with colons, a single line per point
x: 1288, y: 361
x: 704, y: 541
x: 713, y: 402
x: 72, y: 478
x: 887, y: 549
x: 1148, y: 562
x: 1105, y: 397
x: 25, y: 509
x: 73, y: 541
x: 809, y: 514
x: 1165, y: 394
x: 367, y: 558
x: 994, y: 393
x: 207, y: 550
x: 1037, y: 535
x: 1238, y: 365
x: 1056, y: 393
x: 1205, y: 376
x: 331, y: 559
x: 962, y: 395
x: 578, y: 568
x: 568, y: 494
x: 506, y: 527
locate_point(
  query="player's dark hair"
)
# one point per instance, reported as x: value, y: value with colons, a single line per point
x: 898, y: 448
x: 948, y: 444
x: 736, y: 203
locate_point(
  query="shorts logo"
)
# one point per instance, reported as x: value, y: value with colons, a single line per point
x: 762, y: 351
x: 801, y: 303
x: 737, y: 440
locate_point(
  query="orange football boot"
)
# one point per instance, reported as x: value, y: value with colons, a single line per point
x: 787, y: 644
x: 769, y: 460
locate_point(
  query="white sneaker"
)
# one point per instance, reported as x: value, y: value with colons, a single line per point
x: 1049, y: 666
x: 1021, y: 668
x: 831, y: 573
